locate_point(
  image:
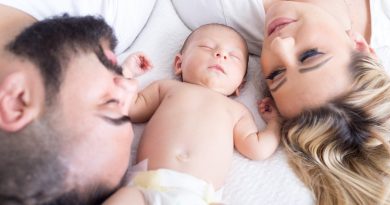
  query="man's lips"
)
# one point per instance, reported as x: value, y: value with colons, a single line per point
x: 278, y: 24
x: 217, y: 67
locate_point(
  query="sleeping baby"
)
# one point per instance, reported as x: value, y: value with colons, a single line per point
x: 193, y: 125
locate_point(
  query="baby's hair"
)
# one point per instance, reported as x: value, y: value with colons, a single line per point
x: 192, y: 34
x: 189, y: 37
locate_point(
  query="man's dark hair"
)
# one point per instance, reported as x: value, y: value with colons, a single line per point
x: 50, y: 44
x: 32, y: 170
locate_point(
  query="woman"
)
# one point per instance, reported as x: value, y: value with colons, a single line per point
x: 335, y: 99
x: 334, y: 96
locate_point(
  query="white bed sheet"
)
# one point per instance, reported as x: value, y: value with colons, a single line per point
x: 250, y: 182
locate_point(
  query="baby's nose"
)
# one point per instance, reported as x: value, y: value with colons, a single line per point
x: 220, y: 54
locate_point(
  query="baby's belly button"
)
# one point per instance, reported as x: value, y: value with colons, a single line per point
x: 183, y: 156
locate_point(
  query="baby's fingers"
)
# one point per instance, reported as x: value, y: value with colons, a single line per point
x: 146, y: 63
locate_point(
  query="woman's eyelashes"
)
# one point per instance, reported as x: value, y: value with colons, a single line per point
x: 304, y: 57
x: 275, y: 74
x: 309, y: 54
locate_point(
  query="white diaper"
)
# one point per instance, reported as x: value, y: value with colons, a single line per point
x: 168, y: 187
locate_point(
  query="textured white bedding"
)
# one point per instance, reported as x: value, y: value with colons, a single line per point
x: 250, y: 182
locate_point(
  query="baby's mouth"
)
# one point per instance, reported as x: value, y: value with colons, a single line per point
x: 217, y: 67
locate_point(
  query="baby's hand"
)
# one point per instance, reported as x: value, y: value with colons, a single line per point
x: 267, y: 109
x: 135, y: 65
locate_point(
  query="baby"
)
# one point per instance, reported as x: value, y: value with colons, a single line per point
x: 194, y: 126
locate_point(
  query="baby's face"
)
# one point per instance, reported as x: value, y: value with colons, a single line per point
x: 216, y: 58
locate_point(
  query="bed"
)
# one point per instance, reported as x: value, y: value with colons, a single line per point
x: 270, y: 181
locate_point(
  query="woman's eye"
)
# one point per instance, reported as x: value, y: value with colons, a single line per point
x: 309, y: 54
x: 275, y: 74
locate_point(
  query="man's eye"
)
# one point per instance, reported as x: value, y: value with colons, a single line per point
x: 308, y: 54
x: 117, y: 121
x: 275, y: 74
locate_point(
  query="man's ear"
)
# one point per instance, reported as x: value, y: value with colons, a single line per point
x: 15, y: 102
x: 360, y: 43
x: 177, y: 64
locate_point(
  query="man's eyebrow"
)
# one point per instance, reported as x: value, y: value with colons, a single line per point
x: 279, y: 85
x: 318, y: 65
x: 107, y: 62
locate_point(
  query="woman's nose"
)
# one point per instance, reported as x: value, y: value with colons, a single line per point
x: 284, y: 49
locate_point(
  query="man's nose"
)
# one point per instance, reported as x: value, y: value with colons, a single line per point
x: 127, y: 91
x: 284, y: 48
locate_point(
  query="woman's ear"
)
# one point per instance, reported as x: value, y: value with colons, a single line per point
x: 177, y: 64
x: 16, y: 109
x: 360, y: 43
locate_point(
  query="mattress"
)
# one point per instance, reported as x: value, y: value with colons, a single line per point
x: 270, y: 181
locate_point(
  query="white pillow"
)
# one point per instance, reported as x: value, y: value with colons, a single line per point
x: 127, y: 17
x: 246, y: 16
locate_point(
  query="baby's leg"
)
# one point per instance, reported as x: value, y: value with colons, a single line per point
x: 125, y: 196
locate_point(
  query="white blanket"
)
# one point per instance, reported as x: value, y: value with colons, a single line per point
x: 250, y: 182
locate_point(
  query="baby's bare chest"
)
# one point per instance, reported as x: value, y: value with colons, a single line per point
x: 199, y: 101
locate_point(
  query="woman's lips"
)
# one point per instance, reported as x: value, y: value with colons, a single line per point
x: 278, y: 24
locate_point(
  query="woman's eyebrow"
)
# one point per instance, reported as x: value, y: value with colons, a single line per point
x: 279, y: 85
x: 318, y: 65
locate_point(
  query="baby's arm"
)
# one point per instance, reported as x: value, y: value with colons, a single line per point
x: 254, y: 144
x: 145, y: 102
x: 135, y: 65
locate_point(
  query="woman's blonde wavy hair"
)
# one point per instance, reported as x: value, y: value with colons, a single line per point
x: 341, y: 150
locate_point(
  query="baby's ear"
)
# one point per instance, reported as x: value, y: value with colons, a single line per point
x: 360, y: 43
x: 16, y: 107
x: 177, y: 64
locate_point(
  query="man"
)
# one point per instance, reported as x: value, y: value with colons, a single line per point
x: 64, y: 134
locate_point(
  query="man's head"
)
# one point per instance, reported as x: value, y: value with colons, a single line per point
x: 214, y: 56
x: 65, y: 137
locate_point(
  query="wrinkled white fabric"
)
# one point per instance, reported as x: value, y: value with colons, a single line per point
x: 127, y: 17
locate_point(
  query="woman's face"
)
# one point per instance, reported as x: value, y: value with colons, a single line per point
x: 305, y: 56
